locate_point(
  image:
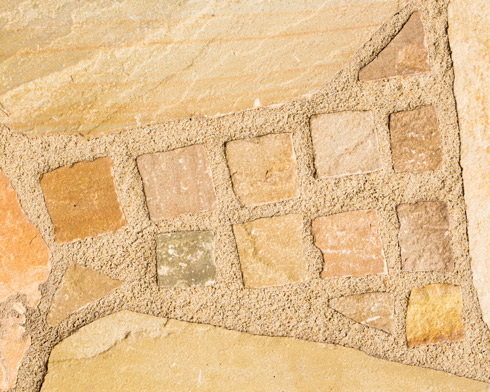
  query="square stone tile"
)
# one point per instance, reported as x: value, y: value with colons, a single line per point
x: 263, y: 169
x: 271, y: 251
x: 344, y: 143
x: 82, y: 200
x: 186, y: 258
x: 177, y: 182
x: 424, y: 237
x: 350, y: 244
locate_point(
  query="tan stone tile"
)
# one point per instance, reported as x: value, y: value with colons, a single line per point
x: 271, y: 251
x: 373, y: 309
x: 344, y: 143
x: 350, y: 244
x: 405, y: 55
x: 82, y: 200
x: 177, y: 182
x: 424, y: 237
x: 434, y: 315
x: 79, y: 287
x: 263, y: 169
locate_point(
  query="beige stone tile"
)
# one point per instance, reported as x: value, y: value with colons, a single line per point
x: 177, y: 182
x: 271, y: 251
x: 405, y: 55
x: 344, y: 143
x: 424, y: 237
x: 263, y: 169
x: 434, y: 315
x: 350, y: 244
x: 82, y: 200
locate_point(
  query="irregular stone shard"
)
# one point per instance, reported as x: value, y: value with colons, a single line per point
x: 350, y: 244
x: 271, y: 251
x: 82, y: 200
x: 405, y: 55
x: 128, y: 352
x: 415, y: 140
x: 24, y: 256
x: 186, y: 259
x: 424, y: 237
x: 344, y: 143
x: 79, y: 287
x: 263, y: 169
x: 373, y: 309
x: 177, y: 182
x: 434, y: 315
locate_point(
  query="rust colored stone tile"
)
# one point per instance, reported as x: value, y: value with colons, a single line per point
x: 344, y: 143
x: 271, y: 251
x: 24, y: 256
x: 177, y: 182
x: 263, y: 169
x: 424, y: 237
x: 405, y: 55
x: 350, y: 244
x: 434, y: 315
x: 415, y: 140
x: 372, y: 309
x: 79, y: 287
x: 82, y: 200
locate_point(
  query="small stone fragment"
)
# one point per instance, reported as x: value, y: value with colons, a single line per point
x: 186, y: 259
x: 263, y: 169
x: 82, y: 200
x: 271, y: 251
x: 405, y: 55
x: 177, y: 182
x: 373, y: 309
x: 350, y: 244
x: 424, y: 237
x: 434, y: 315
x: 344, y: 143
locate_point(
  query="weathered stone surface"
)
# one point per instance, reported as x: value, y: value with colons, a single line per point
x: 186, y: 259
x: 24, y: 256
x: 79, y: 287
x: 373, y: 309
x: 424, y: 237
x: 344, y: 143
x: 82, y: 200
x: 177, y: 182
x: 470, y: 43
x: 271, y: 251
x: 434, y: 315
x: 415, y: 140
x: 405, y: 55
x: 263, y: 169
x: 128, y: 352
x: 350, y: 244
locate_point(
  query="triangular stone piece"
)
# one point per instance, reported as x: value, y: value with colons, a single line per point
x: 405, y: 55
x: 80, y: 286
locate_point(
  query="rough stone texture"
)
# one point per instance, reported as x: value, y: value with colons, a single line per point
x: 344, y: 143
x: 373, y: 309
x: 140, y: 352
x: 80, y: 286
x: 271, y: 251
x: 405, y: 55
x: 415, y: 140
x: 263, y: 169
x: 470, y: 43
x: 177, y: 182
x: 186, y: 259
x: 424, y: 237
x: 82, y: 200
x: 350, y: 244
x: 434, y: 315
